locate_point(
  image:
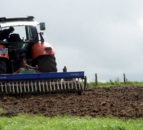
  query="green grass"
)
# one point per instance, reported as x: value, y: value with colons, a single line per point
x: 35, y: 122
x: 114, y: 83
x: 1, y: 111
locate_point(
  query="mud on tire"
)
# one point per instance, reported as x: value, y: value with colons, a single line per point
x: 47, y: 63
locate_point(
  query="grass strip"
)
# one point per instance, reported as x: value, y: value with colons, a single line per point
x: 114, y: 83
x: 38, y: 122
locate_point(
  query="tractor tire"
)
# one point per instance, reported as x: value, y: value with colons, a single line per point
x: 3, y: 66
x: 47, y: 63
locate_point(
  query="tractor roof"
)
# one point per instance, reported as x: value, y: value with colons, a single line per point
x: 22, y: 21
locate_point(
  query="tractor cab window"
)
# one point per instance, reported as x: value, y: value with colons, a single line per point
x: 18, y: 35
x: 20, y: 30
x: 31, y: 33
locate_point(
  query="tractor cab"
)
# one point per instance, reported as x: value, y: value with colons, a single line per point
x: 24, y: 50
x: 25, y: 42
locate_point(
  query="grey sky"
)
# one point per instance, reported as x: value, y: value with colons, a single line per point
x: 97, y: 36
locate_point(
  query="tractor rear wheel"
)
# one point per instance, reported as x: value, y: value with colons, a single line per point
x: 3, y: 66
x: 47, y: 63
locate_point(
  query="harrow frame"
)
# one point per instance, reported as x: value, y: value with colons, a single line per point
x: 42, y: 83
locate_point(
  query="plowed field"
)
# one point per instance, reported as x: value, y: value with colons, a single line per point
x: 113, y: 101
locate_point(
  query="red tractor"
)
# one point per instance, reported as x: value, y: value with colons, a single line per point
x: 27, y: 63
x: 25, y: 43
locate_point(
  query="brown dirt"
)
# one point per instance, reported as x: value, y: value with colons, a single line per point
x: 114, y: 101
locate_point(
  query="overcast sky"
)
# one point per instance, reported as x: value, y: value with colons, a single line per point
x: 96, y: 36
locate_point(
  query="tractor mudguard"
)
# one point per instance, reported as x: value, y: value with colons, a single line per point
x: 39, y: 49
x: 4, y: 52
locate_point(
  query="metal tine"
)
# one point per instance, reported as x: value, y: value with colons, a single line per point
x: 31, y: 86
x: 81, y: 85
x: 50, y: 86
x: 61, y: 83
x: 20, y: 87
x: 9, y: 87
x: 54, y: 86
x: 75, y: 85
x: 68, y: 86
x: 5, y: 87
x: 1, y: 85
x: 39, y: 86
x: 43, y: 86
x: 17, y: 89
x: 46, y: 85
x: 24, y: 87
x: 64, y: 86
x: 58, y: 85
x: 10, y: 84
x: 32, y: 89
x: 35, y: 84
x: 78, y: 86
x: 72, y: 85
x: 28, y: 86
x: 13, y: 87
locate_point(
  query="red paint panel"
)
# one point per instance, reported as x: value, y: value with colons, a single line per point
x: 39, y: 49
x: 3, y: 55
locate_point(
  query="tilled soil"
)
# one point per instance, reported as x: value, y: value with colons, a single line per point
x: 113, y: 101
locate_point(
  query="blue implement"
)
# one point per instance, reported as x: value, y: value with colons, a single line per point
x: 42, y: 83
x: 41, y: 76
